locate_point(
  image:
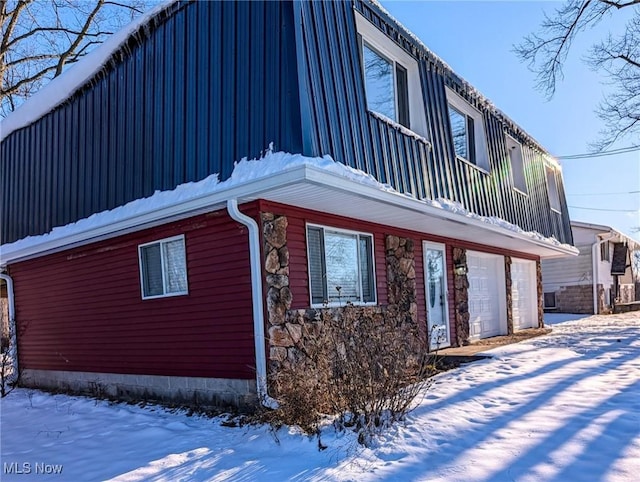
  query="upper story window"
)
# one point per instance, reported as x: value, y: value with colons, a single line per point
x: 467, y: 131
x: 391, y: 78
x: 552, y: 188
x: 514, y: 151
x: 385, y: 85
x: 163, y: 268
x: 604, y: 252
x: 340, y: 266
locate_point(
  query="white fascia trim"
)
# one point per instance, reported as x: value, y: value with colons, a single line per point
x: 606, y: 231
x: 255, y: 189
x: 338, y: 182
x: 205, y: 203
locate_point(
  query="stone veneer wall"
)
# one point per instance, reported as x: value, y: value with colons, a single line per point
x: 287, y: 327
x: 401, y: 276
x: 461, y: 297
x: 509, y: 285
x: 276, y: 265
x: 540, y: 294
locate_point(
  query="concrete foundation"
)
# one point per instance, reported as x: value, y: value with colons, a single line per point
x: 201, y: 392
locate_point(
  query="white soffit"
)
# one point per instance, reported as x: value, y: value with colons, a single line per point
x: 326, y: 192
x: 310, y: 187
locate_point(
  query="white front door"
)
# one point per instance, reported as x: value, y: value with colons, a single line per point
x: 435, y: 280
x: 487, y: 295
x: 524, y: 294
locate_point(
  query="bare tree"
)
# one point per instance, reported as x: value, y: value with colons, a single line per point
x: 42, y: 37
x: 618, y: 56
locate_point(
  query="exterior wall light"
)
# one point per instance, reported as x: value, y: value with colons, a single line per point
x: 460, y: 269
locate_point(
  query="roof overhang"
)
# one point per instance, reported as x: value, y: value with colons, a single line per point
x: 309, y: 187
x: 601, y: 230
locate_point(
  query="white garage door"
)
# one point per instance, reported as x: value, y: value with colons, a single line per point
x: 487, y: 299
x: 524, y: 294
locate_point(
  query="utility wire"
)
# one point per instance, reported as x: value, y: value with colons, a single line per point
x: 611, y: 210
x: 605, y: 193
x: 613, y: 152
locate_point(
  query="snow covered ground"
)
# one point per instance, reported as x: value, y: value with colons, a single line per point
x: 563, y: 407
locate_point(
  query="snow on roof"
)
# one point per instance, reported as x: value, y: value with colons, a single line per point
x: 244, y: 172
x: 605, y: 229
x: 475, y: 93
x: 62, y: 87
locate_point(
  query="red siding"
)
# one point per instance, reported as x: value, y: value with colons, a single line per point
x: 298, y: 271
x: 81, y: 309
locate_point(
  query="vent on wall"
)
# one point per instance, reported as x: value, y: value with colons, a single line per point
x: 550, y: 300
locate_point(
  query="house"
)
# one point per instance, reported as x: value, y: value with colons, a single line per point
x: 596, y: 280
x: 148, y: 256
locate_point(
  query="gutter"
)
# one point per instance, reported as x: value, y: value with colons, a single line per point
x: 594, y: 262
x: 256, y: 296
x: 13, y: 334
x: 272, y: 186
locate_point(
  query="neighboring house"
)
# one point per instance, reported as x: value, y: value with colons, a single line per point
x: 601, y: 276
x: 437, y: 202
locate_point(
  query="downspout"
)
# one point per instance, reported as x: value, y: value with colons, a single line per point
x: 13, y: 337
x: 595, y: 262
x: 256, y: 297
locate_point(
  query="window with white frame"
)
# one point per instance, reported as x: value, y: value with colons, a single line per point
x: 467, y: 131
x: 391, y: 78
x: 385, y: 84
x: 163, y: 268
x: 340, y: 266
x: 514, y: 150
x: 604, y: 252
x: 552, y: 188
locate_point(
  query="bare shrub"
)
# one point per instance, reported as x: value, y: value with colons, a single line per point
x: 365, y: 366
x: 9, y: 375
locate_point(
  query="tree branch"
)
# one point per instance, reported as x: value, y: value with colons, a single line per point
x: 13, y: 20
x: 13, y: 89
x: 34, y: 31
x: 30, y: 58
x: 65, y: 55
x: 620, y: 5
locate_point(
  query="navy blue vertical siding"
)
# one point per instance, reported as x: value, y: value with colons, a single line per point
x: 202, y: 87
x: 336, y: 122
x: 211, y: 82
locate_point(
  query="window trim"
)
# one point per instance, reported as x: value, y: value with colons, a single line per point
x: 481, y: 152
x: 164, y: 281
x: 394, y: 83
x: 605, y: 252
x: 550, y: 169
x: 384, y: 45
x: 518, y: 146
x: 374, y: 286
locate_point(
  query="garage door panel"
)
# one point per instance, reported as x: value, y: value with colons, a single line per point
x: 487, y: 300
x: 524, y: 294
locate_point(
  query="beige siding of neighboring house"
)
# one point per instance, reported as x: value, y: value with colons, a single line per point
x: 571, y: 279
x: 572, y: 271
